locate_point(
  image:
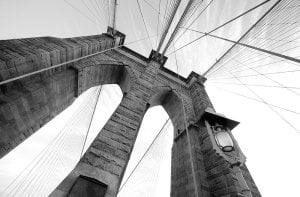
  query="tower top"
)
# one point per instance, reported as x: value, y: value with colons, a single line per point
x: 157, y: 57
x: 116, y: 34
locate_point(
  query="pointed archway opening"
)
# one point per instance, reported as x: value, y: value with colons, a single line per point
x: 148, y: 172
x: 149, y: 169
x: 43, y: 160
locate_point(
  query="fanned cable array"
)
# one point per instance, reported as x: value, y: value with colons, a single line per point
x: 265, y: 58
x: 250, y: 70
x: 170, y: 12
x: 278, y: 31
x: 100, y: 12
x: 59, y: 157
x: 188, y: 11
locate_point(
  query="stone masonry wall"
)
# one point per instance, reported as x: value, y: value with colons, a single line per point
x: 107, y: 157
x: 220, y: 176
x: 28, y: 104
x: 31, y: 104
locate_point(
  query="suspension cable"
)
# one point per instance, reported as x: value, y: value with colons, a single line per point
x: 250, y: 46
x: 57, y: 141
x: 91, y: 120
x: 204, y: 9
x: 145, y: 153
x: 169, y: 22
x: 186, y: 13
x: 253, y: 99
x: 68, y: 62
x: 252, y: 75
x: 263, y: 101
x: 226, y: 23
x: 245, y: 34
x: 277, y: 15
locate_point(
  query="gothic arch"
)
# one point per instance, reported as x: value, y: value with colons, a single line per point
x: 170, y: 100
x: 99, y: 72
x: 31, y: 103
x: 139, y: 183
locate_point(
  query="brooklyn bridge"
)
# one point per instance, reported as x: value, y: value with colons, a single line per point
x: 135, y: 106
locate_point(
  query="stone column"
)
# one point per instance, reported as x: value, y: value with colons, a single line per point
x: 29, y: 105
x: 188, y: 170
x: 104, y: 163
x: 185, y: 157
x: 108, y: 155
x: 224, y: 170
x: 217, y: 173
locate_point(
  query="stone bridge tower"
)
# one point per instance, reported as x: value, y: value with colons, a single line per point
x: 199, y: 166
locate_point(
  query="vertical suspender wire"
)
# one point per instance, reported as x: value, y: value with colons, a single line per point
x: 187, y: 132
x: 90, y: 123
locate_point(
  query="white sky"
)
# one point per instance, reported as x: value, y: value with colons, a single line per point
x: 271, y: 146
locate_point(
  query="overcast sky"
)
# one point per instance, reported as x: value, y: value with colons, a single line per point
x: 271, y: 146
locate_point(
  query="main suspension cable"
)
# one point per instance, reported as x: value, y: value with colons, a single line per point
x: 68, y: 62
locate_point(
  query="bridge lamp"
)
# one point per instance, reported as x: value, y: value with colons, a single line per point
x: 223, y: 138
x: 219, y: 130
x: 223, y: 143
